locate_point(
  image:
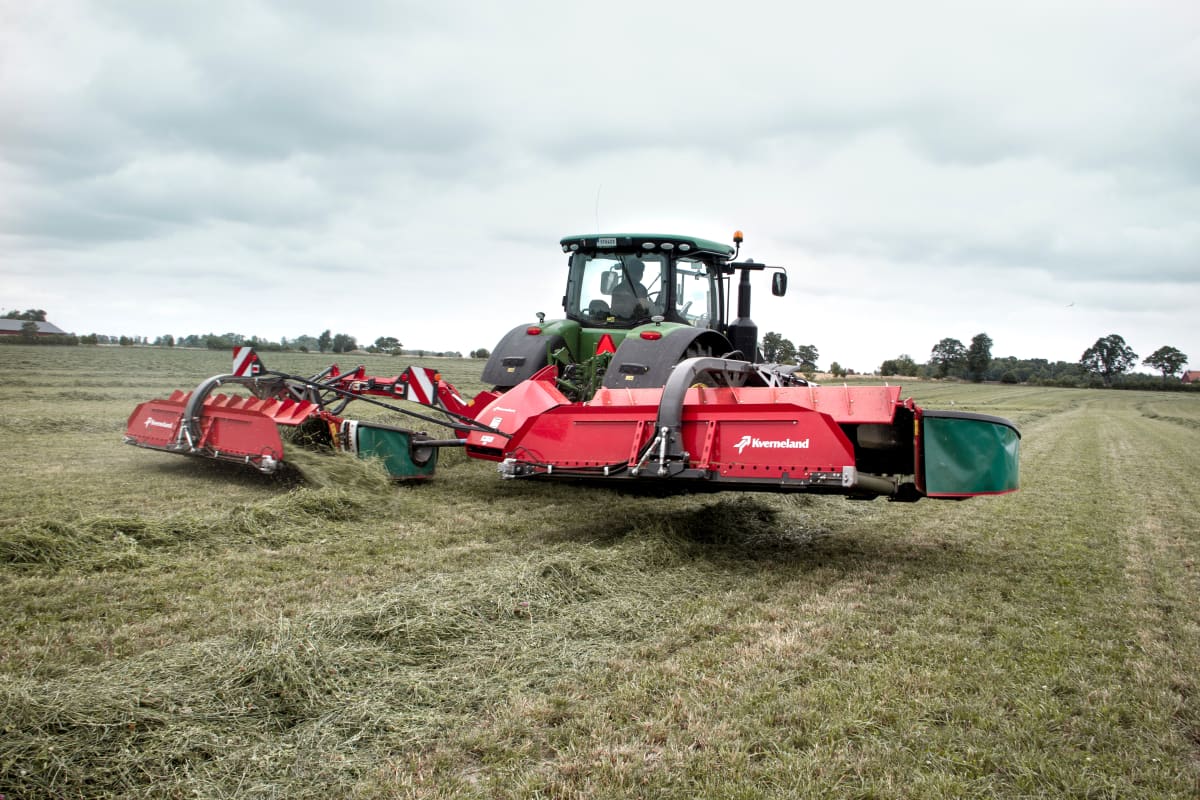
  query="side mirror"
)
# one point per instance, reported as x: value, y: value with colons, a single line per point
x: 779, y: 284
x: 608, y: 281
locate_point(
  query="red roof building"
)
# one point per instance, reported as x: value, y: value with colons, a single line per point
x: 1191, y: 376
x: 12, y: 327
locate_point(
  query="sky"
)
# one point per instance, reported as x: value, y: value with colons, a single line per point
x: 1029, y: 170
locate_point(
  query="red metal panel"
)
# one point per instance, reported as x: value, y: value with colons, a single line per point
x: 279, y: 411
x: 225, y: 428
x: 155, y: 423
x: 764, y: 441
x: 582, y: 436
x: 743, y: 441
x: 236, y: 431
x: 743, y: 432
x: 846, y: 404
x: 509, y: 411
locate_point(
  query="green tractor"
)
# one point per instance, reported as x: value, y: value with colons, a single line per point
x: 636, y: 305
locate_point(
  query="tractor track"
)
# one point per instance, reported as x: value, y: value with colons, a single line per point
x: 1162, y: 546
x: 1109, y: 510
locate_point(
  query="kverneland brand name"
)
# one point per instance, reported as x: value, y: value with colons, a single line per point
x: 770, y: 444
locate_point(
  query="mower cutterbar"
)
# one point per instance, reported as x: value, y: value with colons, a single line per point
x: 716, y: 425
x: 245, y: 430
x: 748, y: 435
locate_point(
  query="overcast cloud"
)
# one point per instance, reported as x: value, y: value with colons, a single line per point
x: 923, y: 170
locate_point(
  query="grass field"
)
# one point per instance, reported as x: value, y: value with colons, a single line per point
x: 178, y: 628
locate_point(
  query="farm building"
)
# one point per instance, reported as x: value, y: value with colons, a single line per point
x: 1191, y: 376
x: 12, y: 327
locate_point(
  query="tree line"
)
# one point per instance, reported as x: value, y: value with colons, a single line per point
x: 778, y: 350
x: 29, y: 315
x: 325, y: 342
x: 333, y: 343
x: 1107, y: 363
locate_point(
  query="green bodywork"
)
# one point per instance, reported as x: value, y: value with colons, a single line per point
x: 582, y: 342
x: 967, y: 454
x: 581, y: 368
x: 394, y: 446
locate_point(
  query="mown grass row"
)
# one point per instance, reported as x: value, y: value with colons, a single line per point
x: 332, y: 695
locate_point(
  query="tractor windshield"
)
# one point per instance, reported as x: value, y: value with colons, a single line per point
x: 621, y: 290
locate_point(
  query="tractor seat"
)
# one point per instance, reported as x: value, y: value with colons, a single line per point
x: 598, y: 309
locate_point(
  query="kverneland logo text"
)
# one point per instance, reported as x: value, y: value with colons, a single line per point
x: 770, y: 444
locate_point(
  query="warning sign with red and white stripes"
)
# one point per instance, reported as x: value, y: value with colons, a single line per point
x: 421, y: 385
x: 245, y: 362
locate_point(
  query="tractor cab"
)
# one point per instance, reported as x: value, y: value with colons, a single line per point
x: 635, y: 305
x: 620, y: 282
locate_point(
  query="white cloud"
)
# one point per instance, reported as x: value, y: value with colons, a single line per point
x: 923, y: 169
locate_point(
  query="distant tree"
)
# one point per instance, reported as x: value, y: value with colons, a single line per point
x: 806, y: 356
x: 344, y: 343
x: 480, y: 353
x: 29, y: 331
x: 30, y: 314
x: 1108, y: 358
x: 901, y: 365
x: 837, y: 370
x: 388, y: 344
x: 165, y: 341
x: 305, y: 344
x: 1166, y: 359
x: 324, y: 341
x: 979, y: 356
x: 949, y: 356
x: 786, y: 353
x: 770, y: 346
x: 125, y: 341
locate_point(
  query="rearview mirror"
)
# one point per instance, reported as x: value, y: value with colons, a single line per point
x: 608, y: 281
x: 779, y: 284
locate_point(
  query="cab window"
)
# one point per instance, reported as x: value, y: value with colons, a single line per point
x: 695, y: 300
x: 605, y: 288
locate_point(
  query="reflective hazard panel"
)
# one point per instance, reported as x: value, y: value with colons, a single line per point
x: 605, y: 345
x: 245, y: 362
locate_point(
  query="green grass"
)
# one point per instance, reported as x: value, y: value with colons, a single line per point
x: 182, y: 628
